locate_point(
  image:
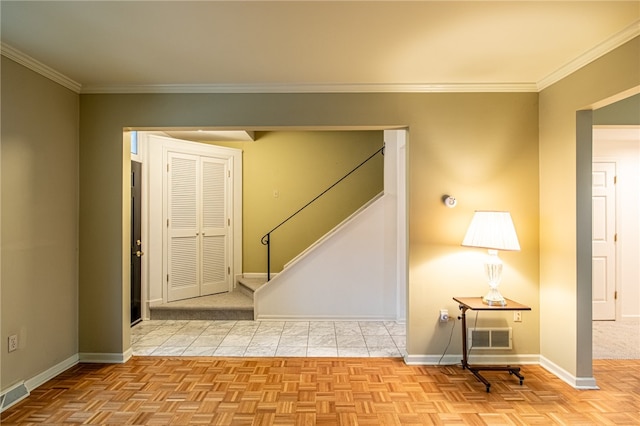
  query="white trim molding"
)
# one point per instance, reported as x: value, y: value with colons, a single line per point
x: 24, y: 388
x: 39, y: 67
x: 52, y: 372
x: 336, y: 318
x: 315, y: 88
x: 584, y: 383
x: 591, y: 55
x: 256, y: 275
x: 454, y: 359
x: 106, y: 358
x: 48, y: 72
x: 584, y: 59
x: 435, y: 360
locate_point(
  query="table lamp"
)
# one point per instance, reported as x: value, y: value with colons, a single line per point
x: 494, y: 231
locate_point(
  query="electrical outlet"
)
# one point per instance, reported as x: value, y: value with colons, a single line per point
x: 13, y: 342
x: 517, y: 316
x: 444, y: 315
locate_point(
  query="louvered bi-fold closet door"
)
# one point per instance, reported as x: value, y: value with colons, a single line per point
x: 215, y: 226
x: 182, y: 227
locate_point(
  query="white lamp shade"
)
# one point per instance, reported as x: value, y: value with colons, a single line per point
x: 492, y: 230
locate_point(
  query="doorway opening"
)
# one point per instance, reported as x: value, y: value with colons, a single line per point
x: 616, y: 246
x: 402, y: 263
x: 614, y: 135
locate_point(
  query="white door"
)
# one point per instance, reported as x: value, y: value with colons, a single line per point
x: 182, y: 227
x: 215, y: 227
x: 604, y: 245
x: 198, y: 262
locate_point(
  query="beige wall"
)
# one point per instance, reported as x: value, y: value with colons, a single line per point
x: 300, y: 165
x: 39, y: 223
x: 565, y: 205
x: 482, y: 148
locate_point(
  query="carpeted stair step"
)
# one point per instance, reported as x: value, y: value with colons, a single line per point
x: 202, y: 313
x: 226, y: 306
x: 248, y: 286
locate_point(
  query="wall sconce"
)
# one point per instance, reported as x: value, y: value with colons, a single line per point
x: 449, y: 201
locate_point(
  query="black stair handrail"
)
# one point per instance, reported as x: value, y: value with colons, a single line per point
x: 266, y: 239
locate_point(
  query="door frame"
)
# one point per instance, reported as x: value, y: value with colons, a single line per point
x: 402, y: 175
x: 140, y: 155
x: 155, y: 146
x: 584, y: 284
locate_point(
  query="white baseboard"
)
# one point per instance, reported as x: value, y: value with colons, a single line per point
x: 146, y: 313
x: 320, y: 318
x: 50, y: 373
x: 154, y: 302
x: 565, y: 376
x: 106, y: 358
x: 21, y: 390
x: 523, y: 359
x: 24, y: 388
x: 532, y: 359
x: 433, y: 360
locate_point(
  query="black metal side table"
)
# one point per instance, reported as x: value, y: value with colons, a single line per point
x: 476, y: 304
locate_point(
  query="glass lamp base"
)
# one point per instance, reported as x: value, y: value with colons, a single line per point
x: 494, y: 298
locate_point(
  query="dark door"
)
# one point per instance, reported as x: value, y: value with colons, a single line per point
x: 136, y: 244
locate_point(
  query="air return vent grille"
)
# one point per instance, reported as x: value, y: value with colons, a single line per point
x: 489, y: 338
x: 13, y: 395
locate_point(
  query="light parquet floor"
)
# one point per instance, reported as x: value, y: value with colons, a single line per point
x: 323, y: 391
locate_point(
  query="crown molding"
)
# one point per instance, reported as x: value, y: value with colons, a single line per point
x: 37, y: 66
x: 591, y: 55
x: 315, y: 88
x: 50, y: 73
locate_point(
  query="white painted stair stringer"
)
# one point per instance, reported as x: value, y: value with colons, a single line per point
x: 335, y: 229
x: 344, y: 276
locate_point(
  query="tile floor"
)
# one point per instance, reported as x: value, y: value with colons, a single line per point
x: 269, y: 338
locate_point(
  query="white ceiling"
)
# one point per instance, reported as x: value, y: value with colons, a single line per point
x: 271, y: 46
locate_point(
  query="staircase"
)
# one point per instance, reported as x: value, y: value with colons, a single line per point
x: 236, y: 305
x: 239, y: 304
x: 349, y: 274
x: 301, y: 289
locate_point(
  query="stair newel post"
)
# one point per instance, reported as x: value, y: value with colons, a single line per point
x: 266, y: 240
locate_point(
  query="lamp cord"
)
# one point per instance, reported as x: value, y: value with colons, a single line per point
x: 449, y: 343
